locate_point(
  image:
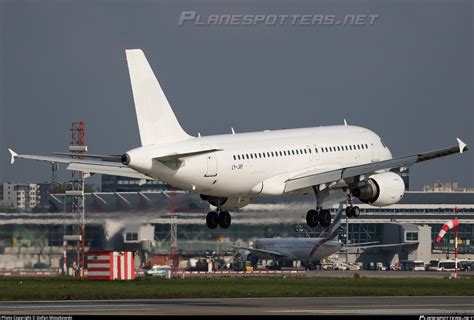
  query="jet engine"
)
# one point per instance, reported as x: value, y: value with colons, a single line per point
x: 382, y: 189
x: 225, y: 202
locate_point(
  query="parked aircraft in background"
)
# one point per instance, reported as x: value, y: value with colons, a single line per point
x: 306, y: 250
x: 229, y: 169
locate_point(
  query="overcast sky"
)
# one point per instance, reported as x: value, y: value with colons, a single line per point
x: 408, y: 76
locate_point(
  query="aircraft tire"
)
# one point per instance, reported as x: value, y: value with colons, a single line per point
x: 325, y: 218
x: 355, y: 212
x: 224, y: 219
x: 312, y: 218
x: 212, y: 220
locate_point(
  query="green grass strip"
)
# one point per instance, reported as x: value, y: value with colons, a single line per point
x: 226, y: 287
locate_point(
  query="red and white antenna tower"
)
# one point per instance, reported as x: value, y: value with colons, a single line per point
x: 78, y: 206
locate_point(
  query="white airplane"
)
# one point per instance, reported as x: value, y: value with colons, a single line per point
x: 228, y: 170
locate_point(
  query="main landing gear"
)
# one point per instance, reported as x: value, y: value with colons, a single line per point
x: 351, y: 210
x: 315, y: 217
x: 319, y: 216
x: 218, y: 218
x: 323, y: 217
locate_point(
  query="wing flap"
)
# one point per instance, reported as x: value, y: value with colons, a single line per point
x: 273, y: 253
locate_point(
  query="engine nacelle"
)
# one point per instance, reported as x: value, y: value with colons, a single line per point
x: 226, y: 203
x: 382, y: 189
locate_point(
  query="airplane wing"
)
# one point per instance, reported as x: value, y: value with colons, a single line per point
x: 273, y: 253
x: 85, y: 165
x: 362, y: 246
x: 316, y: 178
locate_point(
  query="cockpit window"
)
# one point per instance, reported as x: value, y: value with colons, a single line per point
x: 383, y: 143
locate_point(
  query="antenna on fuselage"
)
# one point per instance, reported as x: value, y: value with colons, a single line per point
x: 345, y: 122
x: 199, y: 135
x: 232, y: 129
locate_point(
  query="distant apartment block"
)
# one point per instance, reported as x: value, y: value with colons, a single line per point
x: 24, y: 196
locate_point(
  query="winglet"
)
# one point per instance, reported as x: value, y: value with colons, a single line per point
x: 14, y: 154
x: 462, y: 145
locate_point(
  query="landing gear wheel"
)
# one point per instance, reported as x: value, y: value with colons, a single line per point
x: 349, y: 212
x: 312, y: 218
x: 212, y: 220
x: 325, y: 218
x: 355, y: 211
x: 224, y: 219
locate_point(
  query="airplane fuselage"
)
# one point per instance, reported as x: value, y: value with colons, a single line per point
x: 258, y: 163
x: 302, y: 249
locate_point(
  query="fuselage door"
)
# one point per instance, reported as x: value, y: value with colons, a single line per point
x: 211, y: 163
x: 374, y: 146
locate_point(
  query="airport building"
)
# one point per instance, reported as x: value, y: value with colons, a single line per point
x: 140, y: 221
x: 126, y: 184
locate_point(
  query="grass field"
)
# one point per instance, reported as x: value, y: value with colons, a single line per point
x: 156, y: 288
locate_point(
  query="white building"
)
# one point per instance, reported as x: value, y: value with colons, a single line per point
x: 24, y: 196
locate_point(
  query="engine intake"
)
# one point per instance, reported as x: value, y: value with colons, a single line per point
x: 381, y: 189
x: 125, y: 159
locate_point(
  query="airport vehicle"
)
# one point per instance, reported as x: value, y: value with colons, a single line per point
x: 466, y: 265
x: 433, y: 265
x: 158, y: 270
x: 450, y: 265
x: 228, y: 170
x: 410, y: 265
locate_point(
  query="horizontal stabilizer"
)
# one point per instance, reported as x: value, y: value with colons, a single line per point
x: 92, y: 156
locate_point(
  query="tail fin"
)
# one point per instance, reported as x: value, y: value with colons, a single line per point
x: 333, y: 230
x: 156, y: 120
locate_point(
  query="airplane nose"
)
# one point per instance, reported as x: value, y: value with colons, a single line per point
x: 125, y: 159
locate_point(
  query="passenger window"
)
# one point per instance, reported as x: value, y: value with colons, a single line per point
x: 309, y: 150
x: 366, y: 146
x: 315, y: 150
x: 247, y: 156
x: 338, y: 149
x: 251, y: 156
x: 304, y: 151
x: 281, y: 154
x: 259, y: 155
x: 293, y: 152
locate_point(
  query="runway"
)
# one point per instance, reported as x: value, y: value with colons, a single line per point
x: 251, y: 306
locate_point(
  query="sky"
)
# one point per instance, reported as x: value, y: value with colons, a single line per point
x: 408, y: 76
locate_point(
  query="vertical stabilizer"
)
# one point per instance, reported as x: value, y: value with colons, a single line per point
x: 333, y: 230
x: 156, y: 120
